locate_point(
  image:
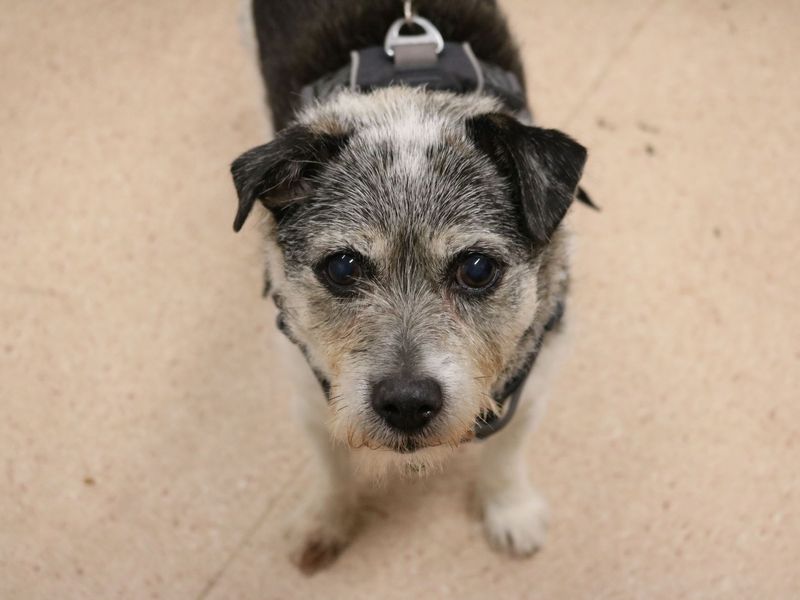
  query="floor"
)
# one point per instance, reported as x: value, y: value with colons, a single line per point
x: 146, y: 444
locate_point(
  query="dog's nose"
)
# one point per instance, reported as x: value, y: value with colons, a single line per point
x: 405, y: 403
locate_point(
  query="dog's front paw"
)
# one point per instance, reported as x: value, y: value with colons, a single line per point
x: 323, y: 531
x: 316, y: 552
x: 516, y: 525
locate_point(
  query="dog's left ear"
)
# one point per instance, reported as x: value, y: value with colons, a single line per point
x: 274, y: 173
x: 543, y: 167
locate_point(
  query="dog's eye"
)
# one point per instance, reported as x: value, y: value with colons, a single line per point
x: 477, y: 272
x: 342, y: 269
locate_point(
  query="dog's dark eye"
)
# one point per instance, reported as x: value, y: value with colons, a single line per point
x: 477, y: 272
x: 342, y: 269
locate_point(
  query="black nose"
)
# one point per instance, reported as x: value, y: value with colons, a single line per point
x: 406, y: 403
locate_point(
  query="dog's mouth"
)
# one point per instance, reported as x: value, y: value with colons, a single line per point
x: 407, y: 446
x: 411, y: 444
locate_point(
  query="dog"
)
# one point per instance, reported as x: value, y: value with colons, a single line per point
x: 415, y: 247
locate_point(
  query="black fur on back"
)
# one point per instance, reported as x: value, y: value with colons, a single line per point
x: 302, y: 40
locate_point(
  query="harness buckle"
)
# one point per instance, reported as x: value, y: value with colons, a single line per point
x: 413, y: 50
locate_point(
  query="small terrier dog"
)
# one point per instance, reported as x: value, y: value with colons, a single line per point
x: 415, y: 246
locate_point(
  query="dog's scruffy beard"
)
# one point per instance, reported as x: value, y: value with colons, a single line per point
x: 379, y: 465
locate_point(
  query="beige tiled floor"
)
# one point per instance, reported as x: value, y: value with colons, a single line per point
x: 145, y: 438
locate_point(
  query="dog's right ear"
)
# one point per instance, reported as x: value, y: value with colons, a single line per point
x: 543, y: 167
x: 273, y: 173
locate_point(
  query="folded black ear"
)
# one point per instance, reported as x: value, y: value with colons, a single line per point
x: 542, y: 165
x: 273, y: 172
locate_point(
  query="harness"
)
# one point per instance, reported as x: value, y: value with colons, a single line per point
x: 417, y: 60
x: 425, y: 59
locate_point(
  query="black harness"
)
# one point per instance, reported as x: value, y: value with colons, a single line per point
x: 456, y: 69
x: 425, y: 60
x: 491, y: 423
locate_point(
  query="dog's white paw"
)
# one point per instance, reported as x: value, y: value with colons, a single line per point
x: 516, y: 526
x: 323, y: 530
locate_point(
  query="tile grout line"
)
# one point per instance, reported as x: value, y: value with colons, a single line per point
x: 615, y: 56
x: 212, y: 582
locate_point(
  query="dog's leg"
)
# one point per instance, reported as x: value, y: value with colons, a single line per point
x: 328, y: 518
x: 514, y: 513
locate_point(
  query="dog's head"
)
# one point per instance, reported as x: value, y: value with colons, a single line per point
x: 416, y: 254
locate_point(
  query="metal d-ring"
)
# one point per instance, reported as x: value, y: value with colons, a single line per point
x: 407, y: 12
x: 430, y: 34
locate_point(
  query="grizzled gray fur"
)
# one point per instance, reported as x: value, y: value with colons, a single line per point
x: 416, y: 253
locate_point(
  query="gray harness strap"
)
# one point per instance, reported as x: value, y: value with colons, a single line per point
x: 456, y: 69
